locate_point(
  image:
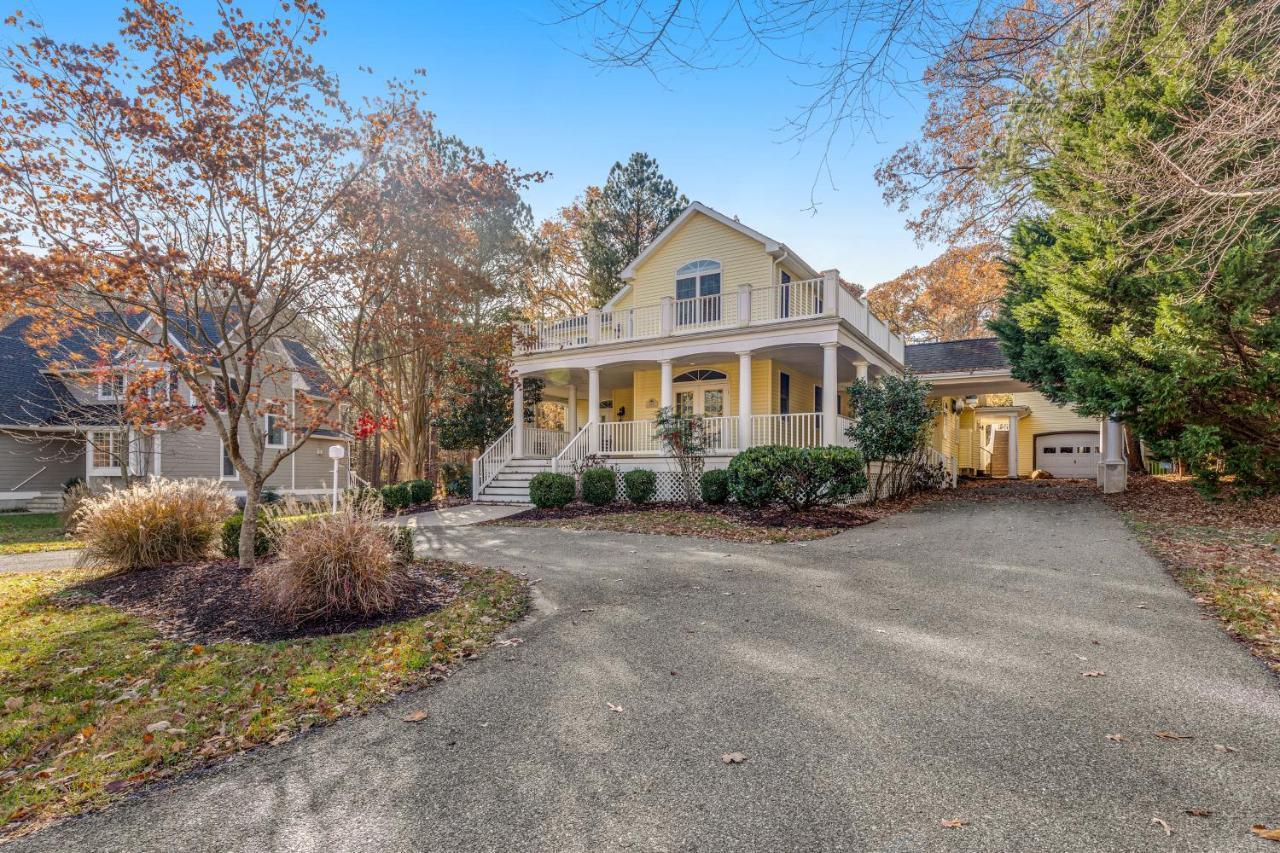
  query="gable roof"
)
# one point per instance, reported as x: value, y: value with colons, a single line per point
x: 956, y: 356
x: 29, y: 396
x: 316, y: 377
x: 770, y: 245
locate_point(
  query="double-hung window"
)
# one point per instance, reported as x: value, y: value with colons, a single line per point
x: 698, y: 293
x: 111, y: 387
x: 276, y: 435
x: 106, y: 448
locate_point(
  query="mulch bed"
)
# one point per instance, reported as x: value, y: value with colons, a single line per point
x: 215, y: 601
x: 413, y: 509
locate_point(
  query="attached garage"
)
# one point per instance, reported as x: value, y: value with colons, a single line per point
x: 1073, y: 455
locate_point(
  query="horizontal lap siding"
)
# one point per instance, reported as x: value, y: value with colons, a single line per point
x: 742, y: 260
x: 24, y: 454
x: 312, y: 467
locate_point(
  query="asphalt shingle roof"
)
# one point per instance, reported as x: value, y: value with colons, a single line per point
x: 956, y: 356
x: 28, y: 396
x: 307, y: 365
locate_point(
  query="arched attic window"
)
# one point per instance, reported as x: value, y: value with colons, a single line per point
x: 700, y: 376
x: 698, y: 278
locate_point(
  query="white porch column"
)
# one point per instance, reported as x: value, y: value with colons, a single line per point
x: 666, y: 384
x: 744, y: 400
x: 571, y: 412
x: 517, y: 417
x: 829, y: 396
x: 593, y: 408
x: 861, y: 368
x: 1013, y: 447
x: 1113, y: 472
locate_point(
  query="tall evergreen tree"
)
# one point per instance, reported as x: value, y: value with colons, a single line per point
x: 1112, y: 304
x: 637, y: 202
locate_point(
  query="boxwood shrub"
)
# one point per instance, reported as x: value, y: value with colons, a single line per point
x: 396, y: 496
x: 715, y: 486
x: 457, y: 479
x: 421, y: 491
x: 550, y: 491
x: 640, y: 485
x: 231, y: 536
x: 599, y: 486
x: 799, y: 477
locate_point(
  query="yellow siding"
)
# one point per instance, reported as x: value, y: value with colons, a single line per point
x: 1044, y: 417
x: 742, y: 259
x: 648, y: 388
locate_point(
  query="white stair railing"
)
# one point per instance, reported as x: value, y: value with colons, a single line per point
x: 543, y: 442
x: 488, y: 464
x: 574, y: 451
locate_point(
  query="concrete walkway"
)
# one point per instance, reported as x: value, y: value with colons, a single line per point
x: 924, y: 668
x: 461, y: 516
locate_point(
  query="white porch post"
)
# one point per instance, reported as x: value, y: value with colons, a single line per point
x: 666, y: 316
x: 1013, y: 447
x: 830, y: 292
x: 571, y: 412
x: 744, y: 304
x: 744, y: 400
x: 861, y: 368
x: 1113, y: 473
x: 517, y: 417
x: 593, y: 326
x: 666, y: 383
x: 593, y: 408
x: 829, y: 379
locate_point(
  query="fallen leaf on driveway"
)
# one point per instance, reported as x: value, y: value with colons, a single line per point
x: 1173, y: 736
x: 954, y: 823
x: 733, y: 758
x: 617, y: 709
x: 1097, y: 673
x: 1222, y: 747
x: 1260, y: 830
x: 1163, y: 825
x: 1199, y: 812
x: 414, y: 716
x: 1118, y: 738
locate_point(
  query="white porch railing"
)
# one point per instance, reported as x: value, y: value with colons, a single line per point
x: 794, y: 300
x: 574, y: 451
x: 801, y: 430
x: 628, y: 438
x: 843, y: 425
x: 948, y: 463
x: 487, y: 465
x: 543, y: 442
x: 705, y: 312
x: 630, y: 324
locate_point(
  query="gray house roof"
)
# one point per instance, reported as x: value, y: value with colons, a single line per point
x: 31, y: 397
x: 956, y: 356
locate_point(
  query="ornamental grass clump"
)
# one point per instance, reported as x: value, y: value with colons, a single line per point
x: 343, y: 564
x: 152, y: 523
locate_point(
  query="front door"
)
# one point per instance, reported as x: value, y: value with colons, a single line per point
x: 707, y: 401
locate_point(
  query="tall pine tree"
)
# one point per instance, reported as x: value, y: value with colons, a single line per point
x: 637, y: 202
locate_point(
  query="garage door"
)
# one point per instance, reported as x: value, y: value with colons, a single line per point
x: 1069, y: 454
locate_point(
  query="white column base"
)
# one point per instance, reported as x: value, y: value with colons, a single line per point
x: 1113, y: 477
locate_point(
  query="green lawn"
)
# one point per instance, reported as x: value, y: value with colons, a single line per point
x: 24, y: 532
x: 94, y: 702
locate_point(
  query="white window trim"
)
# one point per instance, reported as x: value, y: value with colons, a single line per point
x: 697, y: 278
x: 222, y: 474
x: 112, y: 396
x: 266, y: 428
x: 90, y: 447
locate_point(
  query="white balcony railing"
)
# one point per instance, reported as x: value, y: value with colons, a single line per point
x: 747, y: 306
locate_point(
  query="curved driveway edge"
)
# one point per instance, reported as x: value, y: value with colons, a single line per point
x: 923, y: 668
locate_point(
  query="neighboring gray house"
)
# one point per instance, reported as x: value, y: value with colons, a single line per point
x: 59, y: 424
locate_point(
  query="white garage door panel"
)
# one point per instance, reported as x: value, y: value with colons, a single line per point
x: 1069, y: 454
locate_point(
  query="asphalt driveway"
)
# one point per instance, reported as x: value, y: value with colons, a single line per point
x: 924, y: 668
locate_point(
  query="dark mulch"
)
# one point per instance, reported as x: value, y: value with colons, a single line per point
x: 214, y: 601
x: 439, y: 503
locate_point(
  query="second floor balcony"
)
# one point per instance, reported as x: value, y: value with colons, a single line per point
x: 746, y: 307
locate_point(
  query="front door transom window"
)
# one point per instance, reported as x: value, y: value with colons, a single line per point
x: 701, y: 392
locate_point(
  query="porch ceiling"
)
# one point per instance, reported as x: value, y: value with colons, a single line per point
x: 964, y: 385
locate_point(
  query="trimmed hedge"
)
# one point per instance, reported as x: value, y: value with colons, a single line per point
x: 599, y: 486
x: 714, y: 486
x: 640, y: 485
x: 231, y: 536
x: 396, y: 496
x: 421, y: 491
x: 551, y: 491
x: 800, y: 477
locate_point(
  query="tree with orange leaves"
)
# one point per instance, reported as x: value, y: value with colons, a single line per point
x: 951, y: 297
x: 175, y: 195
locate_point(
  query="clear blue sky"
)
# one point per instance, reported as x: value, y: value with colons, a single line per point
x: 500, y: 76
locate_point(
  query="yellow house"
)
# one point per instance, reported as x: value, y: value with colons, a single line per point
x: 718, y: 320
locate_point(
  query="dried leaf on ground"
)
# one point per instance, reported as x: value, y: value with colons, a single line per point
x: 1163, y: 825
x: 415, y: 716
x: 1097, y: 673
x: 617, y: 709
x: 1118, y: 738
x: 1261, y: 830
x: 1167, y: 735
x: 954, y: 823
x: 733, y: 758
x: 1200, y: 812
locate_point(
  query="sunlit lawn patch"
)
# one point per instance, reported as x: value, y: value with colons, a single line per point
x: 26, y: 532
x: 94, y: 702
